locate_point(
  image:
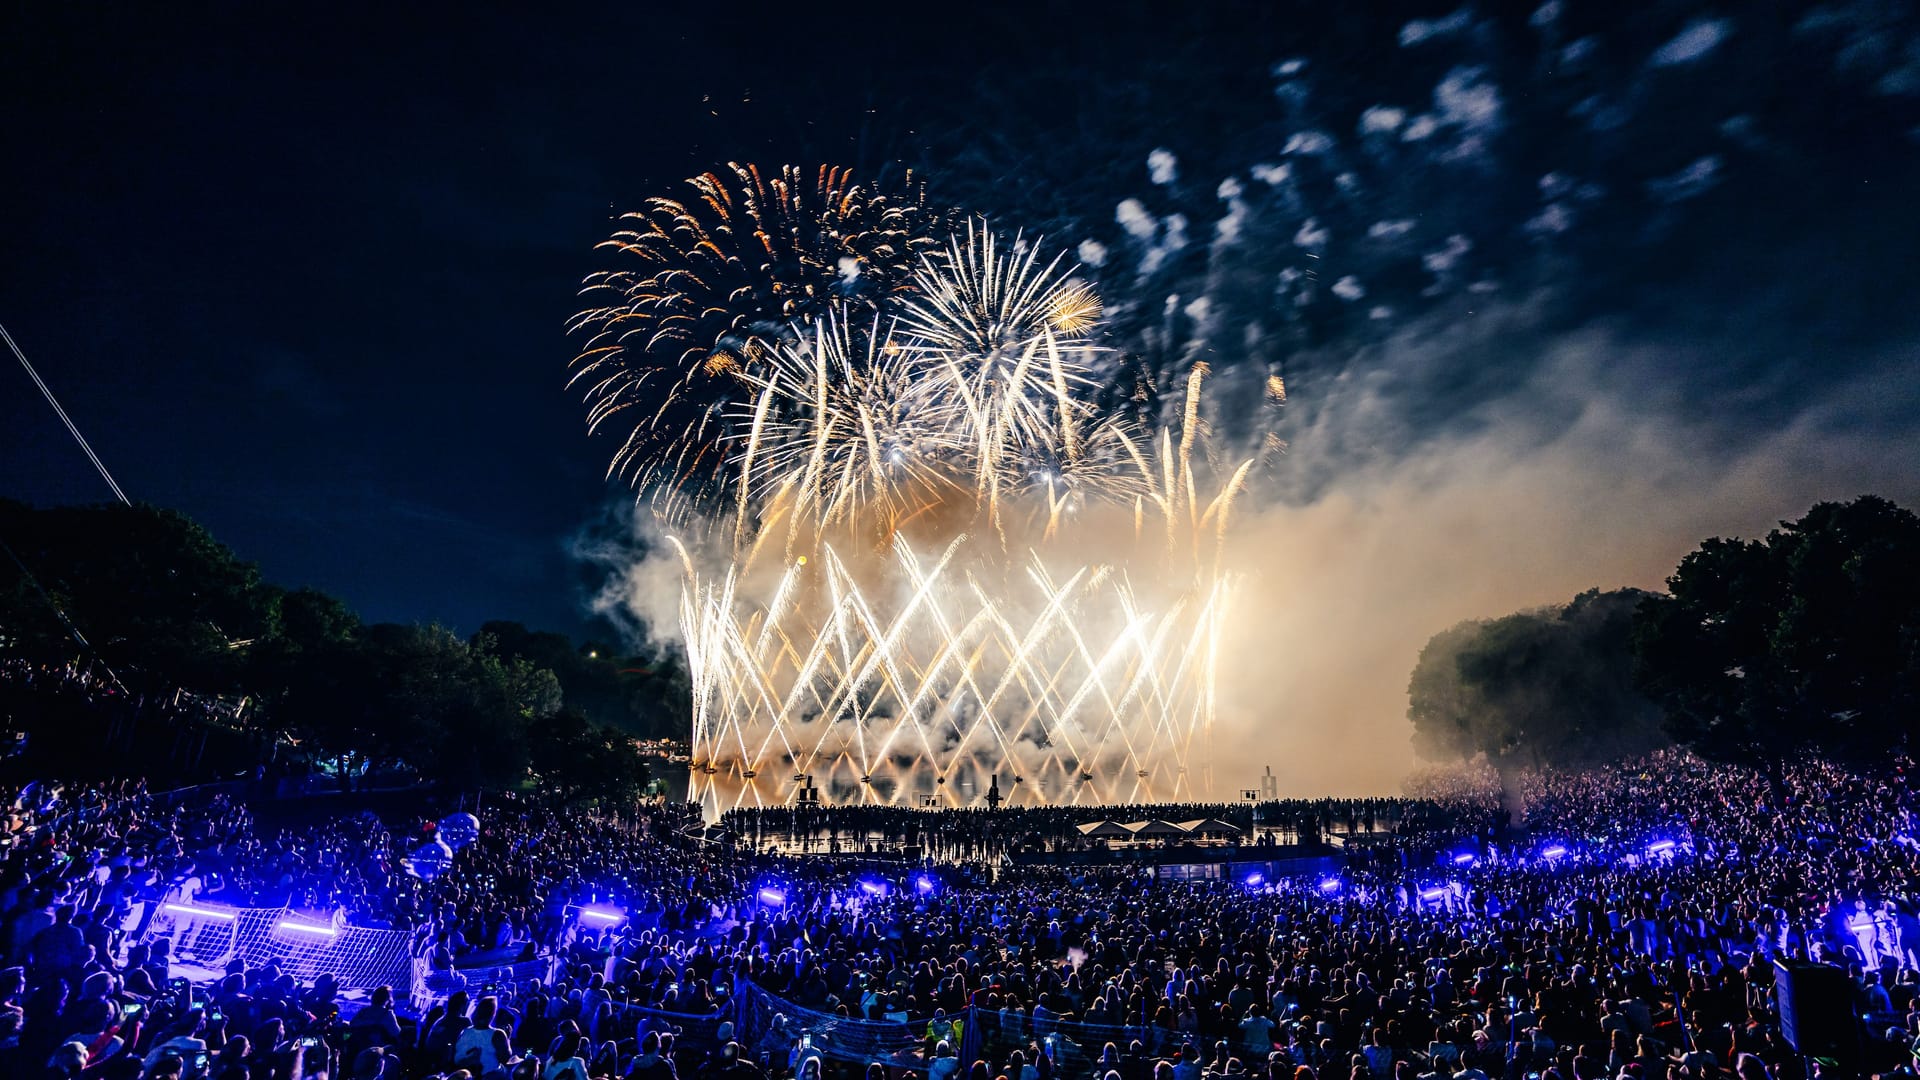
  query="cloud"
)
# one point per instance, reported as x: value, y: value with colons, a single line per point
x: 1308, y: 142
x: 1448, y: 256
x: 1226, y: 231
x: 1382, y: 120
x: 1160, y: 237
x: 1420, y: 31
x: 1133, y: 216
x: 1468, y: 101
x: 1162, y: 166
x: 1903, y: 80
x: 1552, y: 220
x: 1700, y: 37
x: 1698, y: 178
x: 1868, y: 42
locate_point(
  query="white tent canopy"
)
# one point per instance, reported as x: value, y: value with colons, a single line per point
x: 1155, y: 827
x: 1210, y: 827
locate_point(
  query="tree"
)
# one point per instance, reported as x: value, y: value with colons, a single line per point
x: 1808, y: 639
x: 153, y: 593
x: 580, y: 761
x: 308, y: 618
x: 167, y: 606
x: 413, y: 694
x: 307, y: 628
x: 1546, y: 687
x: 643, y: 696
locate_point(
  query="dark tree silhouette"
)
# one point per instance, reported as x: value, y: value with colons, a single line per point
x: 1806, y: 640
x: 1546, y: 687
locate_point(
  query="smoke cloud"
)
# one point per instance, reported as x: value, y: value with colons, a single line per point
x: 1582, y: 476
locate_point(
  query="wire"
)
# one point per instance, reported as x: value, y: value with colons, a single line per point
x: 65, y: 622
x: 64, y: 418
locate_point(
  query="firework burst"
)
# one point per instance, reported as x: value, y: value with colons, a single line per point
x: 922, y: 575
x: 833, y: 436
x: 712, y: 283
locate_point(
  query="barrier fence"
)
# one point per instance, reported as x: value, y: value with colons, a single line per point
x: 772, y: 1025
x: 1073, y: 1046
x: 697, y: 1032
x: 780, y: 1028
x: 428, y: 985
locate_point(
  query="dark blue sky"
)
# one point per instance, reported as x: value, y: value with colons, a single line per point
x: 304, y: 277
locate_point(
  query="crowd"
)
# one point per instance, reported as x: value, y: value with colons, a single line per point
x: 89, y: 705
x: 1622, y: 929
x: 966, y: 835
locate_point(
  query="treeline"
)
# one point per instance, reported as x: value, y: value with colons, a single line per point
x: 1806, y: 640
x: 150, y: 595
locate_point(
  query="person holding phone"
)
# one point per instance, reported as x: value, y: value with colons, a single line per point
x: 184, y: 1045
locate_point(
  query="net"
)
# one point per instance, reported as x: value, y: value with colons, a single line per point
x: 697, y: 1033
x: 787, y: 1032
x: 204, y: 939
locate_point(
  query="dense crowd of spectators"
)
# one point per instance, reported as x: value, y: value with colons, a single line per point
x: 1623, y: 928
x: 89, y: 701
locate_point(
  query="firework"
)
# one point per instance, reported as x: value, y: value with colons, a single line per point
x: 834, y: 436
x: 981, y: 638
x: 939, y: 562
x: 926, y: 676
x: 971, y: 409
x: 711, y: 283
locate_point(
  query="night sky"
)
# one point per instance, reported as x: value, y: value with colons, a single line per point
x: 306, y: 278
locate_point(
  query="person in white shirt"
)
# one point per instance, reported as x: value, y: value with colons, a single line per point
x: 482, y: 1047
